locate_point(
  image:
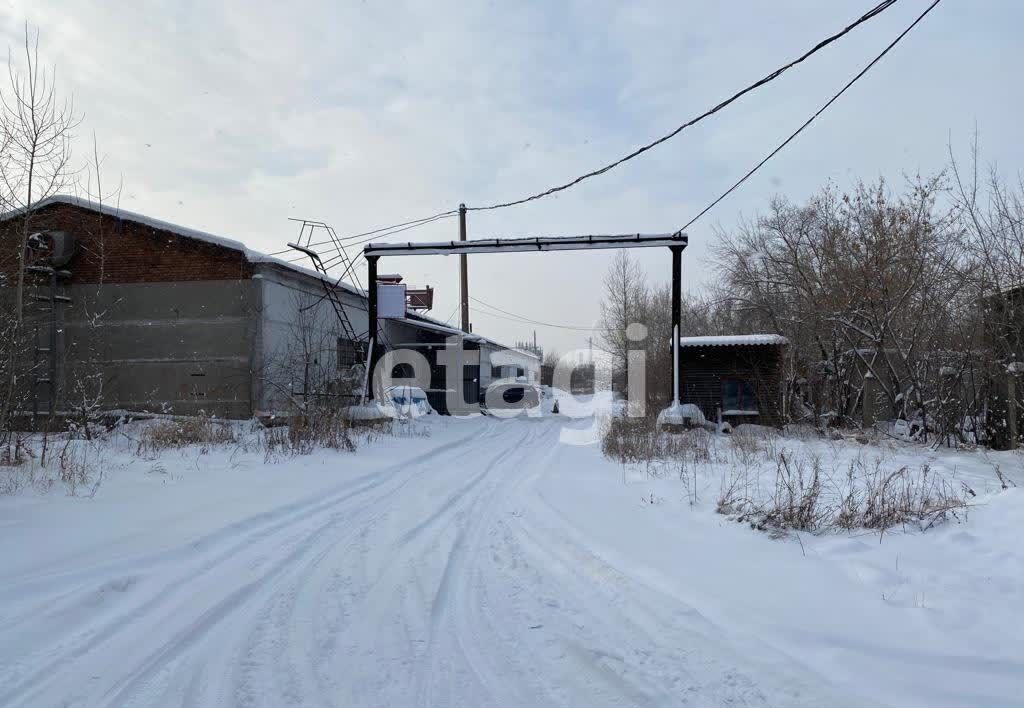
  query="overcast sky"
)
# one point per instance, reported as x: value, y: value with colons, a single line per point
x: 231, y: 117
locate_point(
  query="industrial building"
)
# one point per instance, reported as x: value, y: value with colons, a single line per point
x: 135, y: 314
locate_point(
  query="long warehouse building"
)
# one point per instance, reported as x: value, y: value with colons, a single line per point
x: 142, y: 315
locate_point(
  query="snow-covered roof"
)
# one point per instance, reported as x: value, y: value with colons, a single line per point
x: 420, y: 320
x: 235, y: 245
x: 734, y: 340
x: 429, y: 323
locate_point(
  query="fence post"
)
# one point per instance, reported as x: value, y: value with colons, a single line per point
x: 868, y: 396
x: 1011, y: 408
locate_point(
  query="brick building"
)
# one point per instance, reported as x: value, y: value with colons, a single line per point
x: 163, y: 318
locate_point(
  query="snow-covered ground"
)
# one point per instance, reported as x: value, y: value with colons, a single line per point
x: 489, y: 562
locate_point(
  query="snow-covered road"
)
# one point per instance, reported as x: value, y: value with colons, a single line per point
x: 468, y: 568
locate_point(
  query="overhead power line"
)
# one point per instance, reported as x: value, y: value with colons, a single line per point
x: 379, y: 233
x: 423, y: 222
x: 810, y: 120
x: 449, y: 317
x: 536, y: 323
x: 526, y: 320
x: 872, y: 13
x: 385, y: 231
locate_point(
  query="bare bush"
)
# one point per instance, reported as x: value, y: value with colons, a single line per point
x: 327, y: 429
x: 80, y: 465
x: 745, y: 446
x: 628, y: 440
x: 47, y: 460
x: 638, y: 440
x: 323, y: 428
x: 202, y: 431
x: 804, y: 496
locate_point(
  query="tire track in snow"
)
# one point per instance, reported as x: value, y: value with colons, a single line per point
x: 475, y: 620
x: 445, y: 611
x: 287, y: 652
x: 279, y: 595
x: 314, y: 502
x: 617, y: 631
x: 283, y: 520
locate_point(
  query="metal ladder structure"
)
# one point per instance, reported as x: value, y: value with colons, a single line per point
x: 307, y: 244
x: 44, y: 309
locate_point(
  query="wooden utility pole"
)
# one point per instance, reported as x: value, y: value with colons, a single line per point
x: 463, y: 272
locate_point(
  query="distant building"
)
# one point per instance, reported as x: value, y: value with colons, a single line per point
x: 162, y: 318
x: 738, y: 377
x: 1004, y: 323
x: 1004, y: 332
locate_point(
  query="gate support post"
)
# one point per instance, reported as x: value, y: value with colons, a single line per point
x: 677, y: 307
x: 672, y: 418
x: 1011, y: 410
x: 371, y: 312
x: 869, y: 394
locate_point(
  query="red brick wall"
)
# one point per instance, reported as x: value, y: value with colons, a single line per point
x: 125, y: 251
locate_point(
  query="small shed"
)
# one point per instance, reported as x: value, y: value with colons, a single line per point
x: 737, y: 377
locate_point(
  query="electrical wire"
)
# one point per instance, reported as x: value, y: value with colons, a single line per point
x: 810, y: 120
x: 397, y: 231
x: 874, y: 12
x: 535, y: 323
x: 385, y: 231
x: 340, y: 256
x: 449, y: 318
x: 397, y: 228
x: 527, y: 320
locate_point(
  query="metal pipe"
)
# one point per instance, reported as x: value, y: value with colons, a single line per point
x: 371, y: 313
x: 526, y: 245
x: 677, y: 308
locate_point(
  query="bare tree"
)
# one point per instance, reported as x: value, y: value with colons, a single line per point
x: 624, y: 303
x: 992, y: 218
x: 37, y: 129
x: 84, y: 396
x: 861, y: 283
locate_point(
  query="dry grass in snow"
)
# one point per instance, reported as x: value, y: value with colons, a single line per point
x: 777, y: 482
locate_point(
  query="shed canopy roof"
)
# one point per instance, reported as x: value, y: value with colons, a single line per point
x: 734, y: 340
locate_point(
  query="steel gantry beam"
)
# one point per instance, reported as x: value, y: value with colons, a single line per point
x: 525, y: 245
x: 676, y: 242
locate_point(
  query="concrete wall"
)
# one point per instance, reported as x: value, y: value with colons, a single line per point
x: 159, y: 321
x: 161, y: 347
x: 176, y: 347
x: 295, y: 354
